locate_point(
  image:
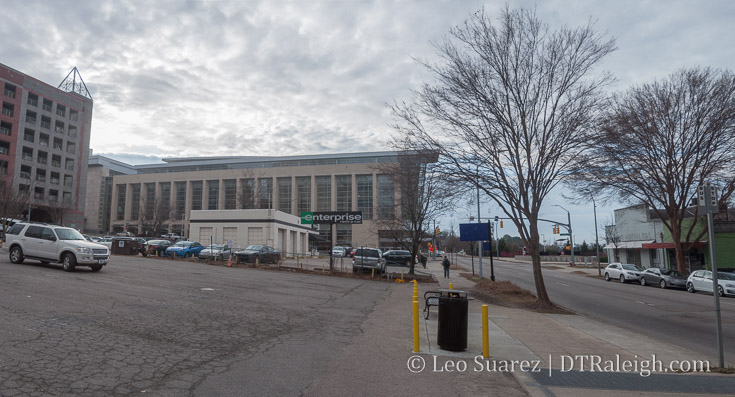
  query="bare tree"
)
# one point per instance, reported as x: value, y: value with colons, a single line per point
x: 152, y: 215
x: 659, y: 141
x: 12, y: 204
x: 57, y: 211
x: 509, y: 110
x: 611, y: 235
x: 422, y: 196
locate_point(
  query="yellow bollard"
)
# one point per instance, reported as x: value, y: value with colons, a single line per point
x: 485, y: 334
x: 451, y: 286
x: 416, y: 341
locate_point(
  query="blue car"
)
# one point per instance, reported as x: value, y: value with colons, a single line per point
x: 184, y: 249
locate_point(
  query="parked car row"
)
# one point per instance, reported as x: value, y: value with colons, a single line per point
x: 700, y: 280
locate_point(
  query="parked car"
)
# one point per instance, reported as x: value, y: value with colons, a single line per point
x: 623, y: 272
x: 106, y: 241
x: 368, y: 258
x: 171, y: 236
x: 185, y: 249
x: 664, y: 278
x: 341, y: 251
x: 216, y: 252
x: 141, y: 244
x: 156, y: 247
x: 701, y: 280
x: 261, y: 253
x: 397, y: 257
x: 49, y: 243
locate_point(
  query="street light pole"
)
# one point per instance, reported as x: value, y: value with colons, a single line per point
x: 479, y: 220
x: 569, y: 227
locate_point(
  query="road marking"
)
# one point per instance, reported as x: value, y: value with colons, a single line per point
x: 207, y: 289
x: 566, y: 285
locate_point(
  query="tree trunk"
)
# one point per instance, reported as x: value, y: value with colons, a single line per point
x: 538, y: 278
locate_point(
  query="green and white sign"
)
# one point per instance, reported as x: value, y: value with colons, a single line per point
x: 331, y: 217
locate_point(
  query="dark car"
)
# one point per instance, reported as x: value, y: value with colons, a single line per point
x: 397, y: 257
x: 261, y: 253
x: 156, y: 247
x: 664, y: 278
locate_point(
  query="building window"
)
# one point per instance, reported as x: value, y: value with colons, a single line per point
x: 9, y: 90
x: 265, y: 193
x: 303, y: 193
x: 61, y: 110
x: 59, y: 127
x: 284, y: 194
x: 120, y: 212
x: 56, y: 161
x: 8, y: 109
x: 365, y: 195
x: 165, y: 200
x: 30, y: 117
x: 66, y: 198
x: 71, y: 147
x: 53, y: 196
x: 180, y: 200
x: 40, y: 175
x: 47, y: 104
x: 230, y: 194
x: 58, y: 144
x: 344, y: 234
x: 344, y: 192
x: 29, y: 135
x: 324, y: 193
x: 213, y: 198
x: 27, y: 154
x: 55, y: 178
x: 69, y: 165
x: 4, y: 147
x: 32, y: 99
x: 73, y: 115
x: 3, y: 165
x: 247, y: 195
x: 386, y: 197
x: 72, y: 131
x: 42, y: 157
x: 43, y: 139
x: 45, y: 122
x: 135, y: 204
x: 150, y: 199
x: 6, y: 128
x: 196, y: 195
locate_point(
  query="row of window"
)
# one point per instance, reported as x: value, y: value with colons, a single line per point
x: 59, y: 126
x: 29, y: 135
x: 258, y: 193
x: 42, y: 158
x: 54, y: 178
x: 48, y: 105
x: 39, y: 193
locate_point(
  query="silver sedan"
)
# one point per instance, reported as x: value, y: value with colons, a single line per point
x: 622, y: 272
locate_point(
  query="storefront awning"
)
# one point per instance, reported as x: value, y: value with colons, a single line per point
x: 628, y: 244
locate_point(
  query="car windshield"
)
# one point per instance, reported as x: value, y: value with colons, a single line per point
x: 632, y: 267
x: 669, y: 272
x: 254, y: 247
x: 725, y: 276
x: 182, y: 244
x: 69, y: 234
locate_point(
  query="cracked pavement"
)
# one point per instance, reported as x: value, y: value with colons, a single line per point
x: 172, y: 328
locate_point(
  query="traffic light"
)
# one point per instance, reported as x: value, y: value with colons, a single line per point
x: 501, y: 224
x: 438, y: 231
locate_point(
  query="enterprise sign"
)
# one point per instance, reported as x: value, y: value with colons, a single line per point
x: 330, y: 217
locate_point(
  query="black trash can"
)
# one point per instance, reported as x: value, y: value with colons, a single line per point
x: 452, y: 334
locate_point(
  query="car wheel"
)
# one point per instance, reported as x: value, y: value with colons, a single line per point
x: 16, y: 255
x: 96, y: 268
x: 662, y: 284
x: 69, y: 262
x: 643, y: 281
x: 144, y: 254
x: 720, y: 291
x: 607, y: 277
x: 622, y: 279
x: 690, y: 288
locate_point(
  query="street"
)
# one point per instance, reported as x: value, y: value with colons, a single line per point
x: 673, y: 316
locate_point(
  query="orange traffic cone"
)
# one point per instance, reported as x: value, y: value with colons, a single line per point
x: 229, y: 261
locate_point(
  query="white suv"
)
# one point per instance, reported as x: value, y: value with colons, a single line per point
x: 49, y: 243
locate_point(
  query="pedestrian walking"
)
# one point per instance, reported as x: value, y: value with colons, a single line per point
x: 445, y: 263
x: 423, y: 260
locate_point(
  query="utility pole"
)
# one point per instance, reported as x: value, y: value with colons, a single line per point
x: 708, y: 201
x: 597, y: 241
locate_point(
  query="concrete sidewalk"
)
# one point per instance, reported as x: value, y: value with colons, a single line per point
x: 561, y: 345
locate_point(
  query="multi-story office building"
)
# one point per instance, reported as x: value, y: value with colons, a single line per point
x: 291, y: 184
x: 44, y: 143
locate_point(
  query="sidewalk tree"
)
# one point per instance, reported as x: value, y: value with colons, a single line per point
x: 152, y: 215
x: 659, y: 141
x: 422, y: 195
x: 13, y: 204
x: 508, y: 110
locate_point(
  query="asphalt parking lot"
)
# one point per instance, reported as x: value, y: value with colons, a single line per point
x: 172, y: 328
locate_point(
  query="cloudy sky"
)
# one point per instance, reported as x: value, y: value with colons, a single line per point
x: 274, y: 77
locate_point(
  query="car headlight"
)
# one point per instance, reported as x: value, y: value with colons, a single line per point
x: 84, y: 250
